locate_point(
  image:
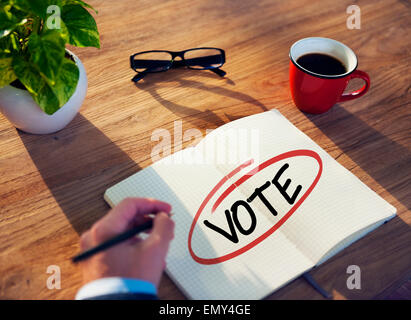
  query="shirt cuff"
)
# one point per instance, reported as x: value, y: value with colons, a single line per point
x: 115, y: 285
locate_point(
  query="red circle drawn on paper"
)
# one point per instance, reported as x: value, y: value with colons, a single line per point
x: 286, y: 155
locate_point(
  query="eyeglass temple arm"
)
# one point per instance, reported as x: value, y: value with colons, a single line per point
x: 139, y: 76
x: 218, y: 71
x: 205, y: 61
x: 178, y: 63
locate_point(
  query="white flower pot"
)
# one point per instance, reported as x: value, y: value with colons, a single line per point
x: 23, y: 112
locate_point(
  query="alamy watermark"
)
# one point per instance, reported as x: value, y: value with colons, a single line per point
x: 54, y: 20
x: 225, y: 146
x: 354, y: 18
x: 354, y: 280
x: 54, y: 281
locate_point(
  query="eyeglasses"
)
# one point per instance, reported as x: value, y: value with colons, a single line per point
x: 161, y: 60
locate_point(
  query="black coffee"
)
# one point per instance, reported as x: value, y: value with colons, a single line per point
x: 322, y: 64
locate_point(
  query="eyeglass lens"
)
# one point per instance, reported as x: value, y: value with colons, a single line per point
x: 203, y: 58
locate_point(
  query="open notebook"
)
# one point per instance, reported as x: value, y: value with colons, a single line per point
x: 249, y: 222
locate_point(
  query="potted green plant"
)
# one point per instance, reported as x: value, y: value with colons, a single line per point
x: 42, y: 84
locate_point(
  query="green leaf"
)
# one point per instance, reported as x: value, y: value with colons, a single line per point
x: 62, y: 30
x: 80, y: 2
x: 7, y: 25
x: 5, y: 46
x: 38, y: 7
x: 81, y: 26
x: 27, y: 74
x: 49, y: 98
x: 23, y: 5
x: 35, y: 85
x: 66, y: 83
x: 47, y: 52
x: 7, y: 74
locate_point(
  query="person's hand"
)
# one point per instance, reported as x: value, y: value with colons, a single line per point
x: 134, y: 258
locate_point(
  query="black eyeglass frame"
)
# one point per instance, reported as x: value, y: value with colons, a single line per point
x: 177, y: 64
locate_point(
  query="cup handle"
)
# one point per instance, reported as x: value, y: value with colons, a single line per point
x: 360, y: 92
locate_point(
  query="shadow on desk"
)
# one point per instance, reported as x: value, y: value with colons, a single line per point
x: 386, y: 161
x: 184, y: 78
x: 78, y: 164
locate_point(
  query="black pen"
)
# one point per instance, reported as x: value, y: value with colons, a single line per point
x: 113, y: 241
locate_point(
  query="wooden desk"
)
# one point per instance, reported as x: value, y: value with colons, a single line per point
x: 51, y: 186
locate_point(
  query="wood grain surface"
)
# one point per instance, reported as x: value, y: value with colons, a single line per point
x: 51, y: 186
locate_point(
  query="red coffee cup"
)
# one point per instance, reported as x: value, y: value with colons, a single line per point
x: 317, y: 93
